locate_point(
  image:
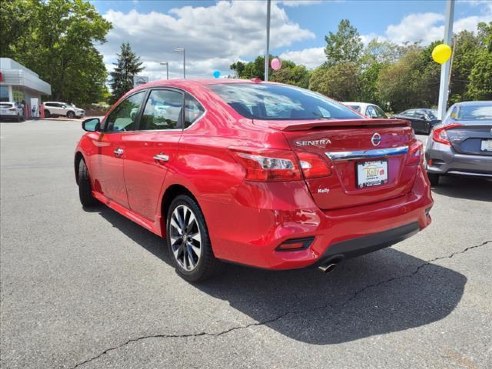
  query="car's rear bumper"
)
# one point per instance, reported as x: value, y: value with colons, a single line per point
x: 254, y: 238
x: 9, y: 116
x: 443, y: 160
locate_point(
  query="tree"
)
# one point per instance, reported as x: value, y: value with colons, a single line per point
x: 480, y: 86
x: 343, y: 46
x: 290, y: 73
x: 56, y: 40
x: 127, y: 67
x: 339, y: 82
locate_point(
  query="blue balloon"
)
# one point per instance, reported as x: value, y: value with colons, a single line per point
x: 216, y: 74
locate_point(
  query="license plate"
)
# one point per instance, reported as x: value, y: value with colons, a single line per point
x: 486, y: 145
x: 372, y: 173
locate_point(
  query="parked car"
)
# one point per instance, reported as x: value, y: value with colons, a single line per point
x: 462, y: 144
x: 262, y: 174
x: 367, y: 109
x: 422, y: 120
x: 57, y: 109
x: 11, y: 111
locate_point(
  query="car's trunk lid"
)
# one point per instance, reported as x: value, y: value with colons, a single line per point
x: 472, y: 138
x: 369, y: 158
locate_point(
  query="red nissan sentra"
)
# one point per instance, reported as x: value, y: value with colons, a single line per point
x: 262, y: 174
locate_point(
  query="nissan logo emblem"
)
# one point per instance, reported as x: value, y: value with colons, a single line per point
x: 376, y: 139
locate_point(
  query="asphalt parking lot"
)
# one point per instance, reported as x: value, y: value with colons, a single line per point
x: 93, y: 290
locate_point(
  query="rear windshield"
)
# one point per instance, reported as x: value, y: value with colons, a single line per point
x: 6, y: 105
x: 279, y: 102
x: 472, y: 112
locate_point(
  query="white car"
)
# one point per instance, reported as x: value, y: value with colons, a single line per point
x: 366, y: 109
x: 12, y: 111
x: 56, y: 109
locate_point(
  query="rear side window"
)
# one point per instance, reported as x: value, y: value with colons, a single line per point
x: 279, y: 102
x: 193, y: 110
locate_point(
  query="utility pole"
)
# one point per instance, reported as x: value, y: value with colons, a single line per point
x: 267, y: 53
x: 446, y: 67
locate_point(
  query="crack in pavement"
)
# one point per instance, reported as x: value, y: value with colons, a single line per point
x: 281, y: 316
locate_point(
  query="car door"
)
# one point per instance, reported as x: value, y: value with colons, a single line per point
x: 152, y: 153
x: 107, y: 164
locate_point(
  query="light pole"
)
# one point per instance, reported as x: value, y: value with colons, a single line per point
x: 267, y: 52
x: 446, y: 67
x: 167, y: 68
x: 179, y: 50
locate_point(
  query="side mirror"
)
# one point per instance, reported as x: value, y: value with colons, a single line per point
x: 91, y: 125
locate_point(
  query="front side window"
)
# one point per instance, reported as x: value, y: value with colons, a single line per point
x: 163, y: 110
x: 370, y: 112
x: 279, y: 102
x: 124, y: 116
x: 379, y: 112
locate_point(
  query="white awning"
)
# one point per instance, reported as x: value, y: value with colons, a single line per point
x: 16, y: 74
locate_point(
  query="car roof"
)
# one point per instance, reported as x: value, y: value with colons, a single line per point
x: 198, y: 82
x: 474, y: 103
x: 357, y: 103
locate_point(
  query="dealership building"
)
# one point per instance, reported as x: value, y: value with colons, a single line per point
x: 17, y: 83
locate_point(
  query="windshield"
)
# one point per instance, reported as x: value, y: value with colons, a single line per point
x: 472, y: 112
x: 279, y: 102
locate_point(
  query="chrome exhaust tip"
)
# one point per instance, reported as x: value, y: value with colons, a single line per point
x: 327, y: 268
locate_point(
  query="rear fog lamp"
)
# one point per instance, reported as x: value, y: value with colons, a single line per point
x: 295, y: 244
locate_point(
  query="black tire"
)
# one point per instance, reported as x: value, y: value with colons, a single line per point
x: 206, y: 265
x: 85, y: 189
x: 434, y: 179
x: 47, y: 113
x: 70, y: 114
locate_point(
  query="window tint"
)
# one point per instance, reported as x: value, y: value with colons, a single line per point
x: 193, y: 110
x: 124, y: 116
x: 274, y: 102
x: 163, y: 110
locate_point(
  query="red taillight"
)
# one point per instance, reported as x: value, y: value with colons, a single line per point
x: 270, y: 165
x: 313, y: 166
x: 415, y: 153
x: 439, y: 133
x: 13, y: 109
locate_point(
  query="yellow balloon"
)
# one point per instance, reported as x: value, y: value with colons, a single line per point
x: 441, y: 53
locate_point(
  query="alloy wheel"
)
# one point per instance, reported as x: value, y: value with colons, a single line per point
x: 185, y: 237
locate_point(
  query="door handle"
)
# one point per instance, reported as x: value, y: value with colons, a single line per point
x: 118, y: 152
x: 161, y: 158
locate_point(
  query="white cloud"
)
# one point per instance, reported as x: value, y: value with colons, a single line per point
x: 311, y: 58
x: 429, y: 27
x: 416, y: 27
x: 296, y: 3
x: 213, y: 36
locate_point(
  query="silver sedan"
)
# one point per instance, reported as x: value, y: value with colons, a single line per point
x: 462, y: 144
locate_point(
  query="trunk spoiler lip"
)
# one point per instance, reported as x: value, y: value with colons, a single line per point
x: 302, y: 125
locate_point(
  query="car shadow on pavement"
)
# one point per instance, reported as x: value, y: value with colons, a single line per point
x: 469, y: 188
x: 383, y: 292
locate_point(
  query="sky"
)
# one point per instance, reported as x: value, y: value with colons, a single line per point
x: 216, y: 34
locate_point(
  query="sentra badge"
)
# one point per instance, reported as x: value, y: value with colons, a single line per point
x: 321, y: 142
